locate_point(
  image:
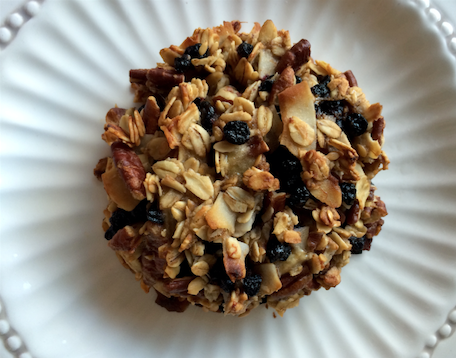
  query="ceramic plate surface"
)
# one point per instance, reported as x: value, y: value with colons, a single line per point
x: 63, y: 288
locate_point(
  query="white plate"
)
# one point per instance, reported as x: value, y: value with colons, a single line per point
x: 64, y: 290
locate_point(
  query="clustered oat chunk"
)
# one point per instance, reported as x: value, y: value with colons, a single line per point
x: 245, y: 175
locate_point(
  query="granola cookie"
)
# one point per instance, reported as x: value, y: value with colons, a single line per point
x: 244, y: 175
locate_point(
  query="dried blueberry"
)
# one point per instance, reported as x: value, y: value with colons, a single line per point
x: 252, y: 284
x: 236, y: 132
x: 355, y: 125
x: 210, y: 158
x: 348, y: 193
x: 283, y: 162
x: 340, y: 123
x: 156, y: 216
x: 299, y: 196
x: 193, y: 51
x: 109, y: 234
x: 138, y: 214
x: 266, y: 85
x: 208, y: 115
x: 286, y: 167
x: 244, y: 49
x: 298, y: 79
x: 120, y: 218
x: 219, y: 277
x: 277, y: 251
x: 321, y: 89
x: 183, y: 64
x: 335, y: 108
x: 357, y: 244
x: 226, y: 284
x: 212, y: 247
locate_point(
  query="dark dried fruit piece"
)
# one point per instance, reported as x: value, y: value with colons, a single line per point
x: 322, y: 90
x: 285, y: 167
x: 109, y: 234
x: 335, y: 108
x: 139, y: 212
x: 183, y: 64
x: 244, y: 49
x: 277, y: 251
x: 266, y: 85
x: 299, y: 196
x: 236, y: 132
x: 219, y: 277
x: 120, y: 218
x: 355, y: 125
x: 252, y: 284
x: 193, y: 51
x: 348, y: 193
x: 155, y: 215
x: 208, y: 114
x: 357, y: 244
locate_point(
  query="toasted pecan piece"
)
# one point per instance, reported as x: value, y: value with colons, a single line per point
x: 295, y: 57
x: 130, y: 168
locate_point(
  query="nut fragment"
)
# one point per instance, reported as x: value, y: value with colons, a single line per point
x: 234, y: 253
x: 259, y: 180
x: 130, y: 168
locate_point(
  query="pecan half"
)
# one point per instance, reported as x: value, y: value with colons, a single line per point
x: 353, y: 213
x: 156, y: 78
x: 293, y: 284
x: 257, y: 146
x: 178, y: 285
x: 285, y: 80
x: 313, y: 240
x: 162, y: 78
x: 114, y: 115
x: 138, y: 76
x: 351, y: 78
x: 172, y: 304
x: 295, y: 57
x: 373, y: 229
x: 377, y: 129
x: 100, y: 168
x: 130, y: 168
x: 126, y: 239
